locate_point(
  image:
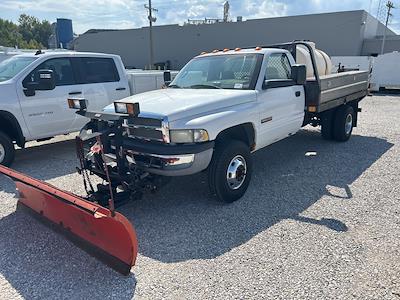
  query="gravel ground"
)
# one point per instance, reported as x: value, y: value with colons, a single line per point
x: 324, y: 226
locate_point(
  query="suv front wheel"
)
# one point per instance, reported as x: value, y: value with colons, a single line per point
x: 230, y: 170
x: 7, y: 150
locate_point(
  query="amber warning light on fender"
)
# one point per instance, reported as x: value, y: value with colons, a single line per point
x: 131, y: 109
x: 77, y: 103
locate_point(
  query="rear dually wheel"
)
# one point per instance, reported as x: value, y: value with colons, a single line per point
x: 343, y: 123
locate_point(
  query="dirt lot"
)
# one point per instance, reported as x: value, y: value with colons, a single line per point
x: 325, y: 226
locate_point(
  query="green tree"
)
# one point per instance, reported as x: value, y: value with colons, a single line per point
x: 9, y: 34
x: 29, y: 33
x: 32, y: 29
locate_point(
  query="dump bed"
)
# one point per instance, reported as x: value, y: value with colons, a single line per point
x: 328, y: 91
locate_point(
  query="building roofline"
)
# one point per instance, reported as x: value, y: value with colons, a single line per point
x: 91, y: 31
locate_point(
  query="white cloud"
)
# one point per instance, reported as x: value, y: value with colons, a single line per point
x: 121, y: 14
x: 262, y: 9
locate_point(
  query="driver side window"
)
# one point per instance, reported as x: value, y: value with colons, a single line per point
x: 278, y: 67
x: 62, y: 71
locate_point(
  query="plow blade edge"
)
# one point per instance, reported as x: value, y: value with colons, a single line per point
x: 110, y: 238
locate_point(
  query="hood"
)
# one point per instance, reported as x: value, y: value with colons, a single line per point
x: 180, y: 103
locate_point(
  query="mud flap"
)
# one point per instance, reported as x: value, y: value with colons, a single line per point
x: 110, y: 238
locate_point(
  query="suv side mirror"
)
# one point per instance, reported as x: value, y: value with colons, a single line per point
x: 299, y: 74
x: 167, y: 77
x: 46, y: 80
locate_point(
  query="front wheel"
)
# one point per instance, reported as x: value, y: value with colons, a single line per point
x: 7, y: 150
x: 230, y: 171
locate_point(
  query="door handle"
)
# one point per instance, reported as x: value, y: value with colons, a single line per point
x: 298, y: 94
x: 74, y: 93
x: 120, y: 89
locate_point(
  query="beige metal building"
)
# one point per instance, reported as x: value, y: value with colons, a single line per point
x: 349, y: 33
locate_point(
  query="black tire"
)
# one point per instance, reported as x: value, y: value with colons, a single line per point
x: 7, y: 150
x: 327, y: 126
x: 223, y: 155
x: 342, y: 128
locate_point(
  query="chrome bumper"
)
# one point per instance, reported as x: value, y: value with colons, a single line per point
x: 172, y: 164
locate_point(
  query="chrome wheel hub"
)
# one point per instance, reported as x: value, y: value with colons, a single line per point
x: 2, y: 153
x: 236, y: 173
x: 348, y: 124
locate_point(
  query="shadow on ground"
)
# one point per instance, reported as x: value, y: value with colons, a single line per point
x: 182, y: 222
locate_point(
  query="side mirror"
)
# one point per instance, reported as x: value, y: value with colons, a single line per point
x: 299, y: 74
x: 46, y: 80
x: 167, y: 77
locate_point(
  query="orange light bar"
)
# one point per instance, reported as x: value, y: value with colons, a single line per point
x: 202, y: 53
x: 226, y: 50
x: 215, y: 51
x: 258, y: 48
x: 238, y: 49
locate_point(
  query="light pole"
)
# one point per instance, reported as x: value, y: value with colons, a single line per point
x: 389, y: 6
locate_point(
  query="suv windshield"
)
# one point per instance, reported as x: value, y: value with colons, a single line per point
x: 12, y: 66
x: 231, y: 71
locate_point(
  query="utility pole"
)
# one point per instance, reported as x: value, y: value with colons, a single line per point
x: 226, y: 11
x: 151, y: 20
x: 389, y: 6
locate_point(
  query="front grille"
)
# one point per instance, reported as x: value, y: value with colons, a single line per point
x: 147, y: 133
x: 145, y: 122
x: 145, y: 128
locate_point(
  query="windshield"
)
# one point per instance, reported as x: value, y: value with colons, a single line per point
x: 231, y: 71
x: 12, y: 66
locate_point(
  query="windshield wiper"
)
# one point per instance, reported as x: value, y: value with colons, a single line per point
x: 205, y: 86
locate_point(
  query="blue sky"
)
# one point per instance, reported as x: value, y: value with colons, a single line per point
x: 121, y: 14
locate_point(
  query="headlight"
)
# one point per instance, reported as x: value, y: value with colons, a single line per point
x: 78, y: 103
x: 131, y: 109
x: 188, y: 136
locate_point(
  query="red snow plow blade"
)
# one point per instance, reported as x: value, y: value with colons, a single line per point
x: 110, y: 238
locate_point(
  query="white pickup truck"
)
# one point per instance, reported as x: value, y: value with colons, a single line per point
x: 34, y: 88
x: 221, y: 107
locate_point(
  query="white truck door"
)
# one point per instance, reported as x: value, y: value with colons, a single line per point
x: 281, y: 102
x: 102, y: 84
x: 46, y: 113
